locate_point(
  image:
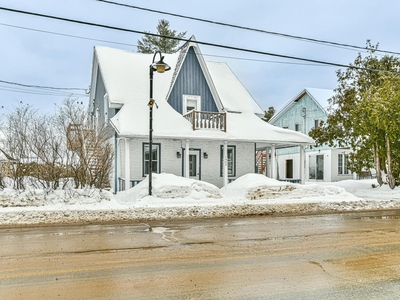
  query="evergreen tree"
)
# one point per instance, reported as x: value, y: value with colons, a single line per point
x: 364, y: 114
x: 151, y: 44
x: 269, y: 113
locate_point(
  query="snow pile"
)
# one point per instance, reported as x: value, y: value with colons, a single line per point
x: 169, y: 187
x: 259, y: 187
x: 39, y: 197
x: 367, y: 189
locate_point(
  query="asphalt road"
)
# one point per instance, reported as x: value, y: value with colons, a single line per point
x: 348, y: 256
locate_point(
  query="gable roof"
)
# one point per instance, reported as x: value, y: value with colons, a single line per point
x: 232, y: 93
x: 320, y: 97
x: 126, y: 80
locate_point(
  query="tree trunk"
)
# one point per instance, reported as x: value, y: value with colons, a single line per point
x: 390, y: 179
x: 377, y: 166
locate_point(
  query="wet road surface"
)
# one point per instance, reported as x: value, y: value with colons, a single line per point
x: 348, y: 256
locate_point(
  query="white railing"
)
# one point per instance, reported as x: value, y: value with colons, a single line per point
x: 206, y: 120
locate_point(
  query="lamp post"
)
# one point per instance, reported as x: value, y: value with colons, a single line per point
x: 160, y: 67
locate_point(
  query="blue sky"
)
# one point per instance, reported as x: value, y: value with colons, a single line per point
x: 44, y: 59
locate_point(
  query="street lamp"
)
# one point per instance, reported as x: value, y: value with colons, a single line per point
x: 160, y: 67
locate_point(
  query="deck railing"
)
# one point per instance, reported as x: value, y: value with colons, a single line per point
x: 206, y: 120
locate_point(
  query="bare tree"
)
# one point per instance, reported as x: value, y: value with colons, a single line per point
x: 47, y: 150
x: 91, y: 153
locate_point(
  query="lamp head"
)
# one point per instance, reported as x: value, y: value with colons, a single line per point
x: 160, y: 66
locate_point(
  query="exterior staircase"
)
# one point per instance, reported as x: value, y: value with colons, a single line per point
x: 261, y: 159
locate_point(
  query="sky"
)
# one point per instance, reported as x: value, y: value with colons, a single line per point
x: 38, y: 51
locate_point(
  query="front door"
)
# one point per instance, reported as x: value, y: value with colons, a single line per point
x: 289, y: 168
x: 194, y: 165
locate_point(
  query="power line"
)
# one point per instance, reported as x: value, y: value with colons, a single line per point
x: 318, y: 41
x: 186, y: 40
x: 16, y: 90
x: 41, y: 87
x: 134, y: 45
x: 67, y: 35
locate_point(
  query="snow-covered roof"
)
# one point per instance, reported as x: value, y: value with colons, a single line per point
x: 232, y: 93
x: 126, y: 79
x: 320, y: 96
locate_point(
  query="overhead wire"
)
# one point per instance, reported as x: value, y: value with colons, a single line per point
x: 41, y: 92
x: 42, y: 87
x: 185, y: 40
x: 67, y: 35
x: 134, y: 45
x: 318, y: 41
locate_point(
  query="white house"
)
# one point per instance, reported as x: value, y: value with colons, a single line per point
x: 205, y: 123
x: 304, y: 112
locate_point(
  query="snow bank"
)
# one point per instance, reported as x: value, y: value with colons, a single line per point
x: 181, y: 198
x: 169, y: 186
x: 258, y: 187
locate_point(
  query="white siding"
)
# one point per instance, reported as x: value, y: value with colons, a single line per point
x: 210, y: 167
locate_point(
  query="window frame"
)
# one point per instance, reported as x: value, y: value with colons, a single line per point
x: 233, y: 149
x: 185, y: 99
x: 342, y: 164
x: 158, y: 155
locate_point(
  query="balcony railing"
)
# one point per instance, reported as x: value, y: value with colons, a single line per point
x: 206, y: 120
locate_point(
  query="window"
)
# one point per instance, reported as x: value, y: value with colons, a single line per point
x: 320, y: 167
x: 312, y: 166
x: 317, y: 123
x: 342, y: 163
x: 231, y: 161
x: 316, y: 167
x: 155, y: 158
x: 191, y: 102
x: 297, y: 127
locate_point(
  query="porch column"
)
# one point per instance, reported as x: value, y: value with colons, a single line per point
x: 302, y: 165
x: 186, y: 159
x: 267, y: 163
x: 127, y: 165
x: 273, y: 162
x: 116, y: 166
x: 225, y: 163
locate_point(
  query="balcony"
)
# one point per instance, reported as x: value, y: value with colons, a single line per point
x: 206, y: 120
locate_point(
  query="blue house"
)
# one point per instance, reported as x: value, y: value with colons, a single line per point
x: 206, y: 125
x: 304, y: 112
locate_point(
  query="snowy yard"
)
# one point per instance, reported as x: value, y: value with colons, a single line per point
x: 177, y: 197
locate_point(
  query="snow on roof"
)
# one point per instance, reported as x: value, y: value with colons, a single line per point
x: 251, y: 128
x: 233, y: 95
x: 126, y: 75
x: 126, y: 79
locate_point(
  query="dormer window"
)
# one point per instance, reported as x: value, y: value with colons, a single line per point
x: 191, y: 102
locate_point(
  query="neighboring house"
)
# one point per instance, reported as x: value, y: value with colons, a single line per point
x: 206, y: 125
x: 301, y: 114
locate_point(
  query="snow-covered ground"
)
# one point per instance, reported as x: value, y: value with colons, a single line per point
x: 177, y: 197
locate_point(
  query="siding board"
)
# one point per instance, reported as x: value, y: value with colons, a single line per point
x: 191, y: 81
